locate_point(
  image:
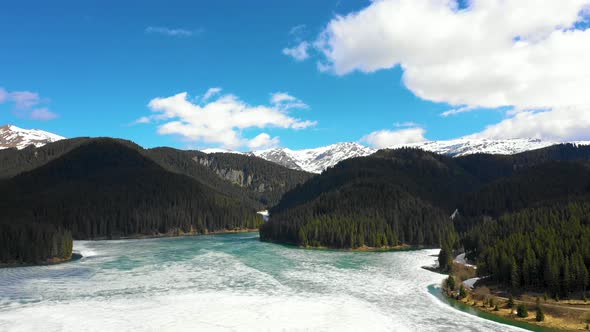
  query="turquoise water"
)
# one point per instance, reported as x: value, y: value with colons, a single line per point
x: 229, y: 282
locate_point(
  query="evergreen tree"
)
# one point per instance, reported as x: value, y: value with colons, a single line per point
x: 521, y: 311
x: 462, y: 292
x: 510, y: 303
x: 540, y: 315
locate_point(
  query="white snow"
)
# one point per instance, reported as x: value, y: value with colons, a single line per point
x: 219, y: 150
x: 318, y: 159
x: 460, y: 259
x: 264, y: 213
x: 467, y: 146
x: 470, y: 283
x: 15, y: 137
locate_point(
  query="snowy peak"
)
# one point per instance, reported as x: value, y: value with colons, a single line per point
x: 15, y: 137
x: 467, y: 146
x: 219, y: 150
x: 318, y: 159
x: 315, y: 160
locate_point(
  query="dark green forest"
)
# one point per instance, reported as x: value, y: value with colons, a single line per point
x: 523, y: 218
x: 107, y: 189
x: 543, y: 247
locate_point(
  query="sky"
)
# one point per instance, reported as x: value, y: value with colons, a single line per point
x: 257, y: 74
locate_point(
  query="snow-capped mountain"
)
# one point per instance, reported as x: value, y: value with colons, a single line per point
x: 220, y: 150
x: 314, y: 160
x: 15, y: 137
x: 318, y: 159
x: 465, y: 146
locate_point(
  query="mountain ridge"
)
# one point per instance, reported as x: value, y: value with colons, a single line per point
x: 317, y: 160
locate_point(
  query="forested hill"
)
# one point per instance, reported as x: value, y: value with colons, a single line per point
x: 389, y: 198
x: 408, y: 195
x: 246, y: 177
x: 106, y: 188
x: 259, y: 179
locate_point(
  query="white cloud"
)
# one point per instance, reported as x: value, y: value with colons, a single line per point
x: 405, y: 124
x: 299, y: 52
x: 285, y: 101
x: 211, y: 92
x: 142, y: 120
x: 387, y: 138
x: 458, y: 110
x: 568, y: 123
x: 221, y: 120
x: 263, y: 141
x: 42, y: 114
x: 279, y: 97
x: 25, y: 103
x: 526, y: 54
x: 172, y: 32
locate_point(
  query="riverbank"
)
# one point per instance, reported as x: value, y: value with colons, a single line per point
x: 175, y: 233
x: 51, y: 261
x: 556, y: 317
x: 475, y: 311
x: 77, y: 256
x: 401, y: 247
x: 493, y: 302
x: 365, y: 248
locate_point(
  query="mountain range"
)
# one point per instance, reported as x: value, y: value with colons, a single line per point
x: 317, y: 160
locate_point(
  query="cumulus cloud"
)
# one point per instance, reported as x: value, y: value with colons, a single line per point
x: 171, y: 32
x: 298, y: 52
x: 25, y: 104
x: 222, y: 120
x: 387, y: 138
x: 572, y: 123
x: 526, y: 54
x: 263, y: 141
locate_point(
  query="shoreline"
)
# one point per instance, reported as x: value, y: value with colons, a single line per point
x: 78, y: 256
x: 171, y: 235
x: 476, y: 302
x: 402, y: 247
x: 439, y: 293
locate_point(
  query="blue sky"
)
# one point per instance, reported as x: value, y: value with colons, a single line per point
x: 96, y: 65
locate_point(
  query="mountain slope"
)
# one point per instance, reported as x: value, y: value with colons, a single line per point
x: 386, y: 181
x: 124, y: 193
x: 258, y: 179
x: 250, y: 178
x: 15, y: 137
x: 388, y: 198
